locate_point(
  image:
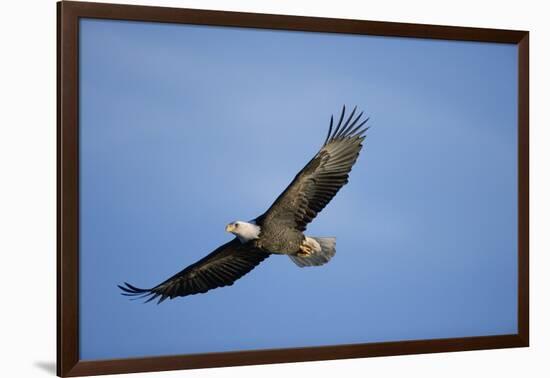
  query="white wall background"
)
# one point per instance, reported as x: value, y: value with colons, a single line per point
x: 27, y: 186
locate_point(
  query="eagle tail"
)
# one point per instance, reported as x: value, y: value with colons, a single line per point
x: 315, y: 251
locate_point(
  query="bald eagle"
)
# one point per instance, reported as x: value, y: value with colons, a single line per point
x: 280, y: 230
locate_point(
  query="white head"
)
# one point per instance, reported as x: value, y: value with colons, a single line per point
x: 243, y: 230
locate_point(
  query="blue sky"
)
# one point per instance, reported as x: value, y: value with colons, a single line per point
x: 186, y: 128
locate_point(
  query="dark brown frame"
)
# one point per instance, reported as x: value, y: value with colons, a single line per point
x: 68, y: 15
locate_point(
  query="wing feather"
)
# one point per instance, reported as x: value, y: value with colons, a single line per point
x: 220, y: 268
x: 319, y: 181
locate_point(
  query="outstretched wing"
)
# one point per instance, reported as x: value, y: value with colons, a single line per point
x: 222, y: 267
x: 319, y: 181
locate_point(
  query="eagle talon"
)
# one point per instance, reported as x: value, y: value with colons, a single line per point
x: 305, y: 250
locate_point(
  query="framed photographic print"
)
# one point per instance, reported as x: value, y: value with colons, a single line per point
x: 238, y: 188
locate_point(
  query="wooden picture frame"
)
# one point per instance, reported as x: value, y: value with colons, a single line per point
x: 69, y: 13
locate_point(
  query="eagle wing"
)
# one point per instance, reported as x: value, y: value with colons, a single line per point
x: 222, y: 267
x: 319, y: 181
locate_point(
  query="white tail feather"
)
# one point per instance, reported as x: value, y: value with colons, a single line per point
x: 318, y: 256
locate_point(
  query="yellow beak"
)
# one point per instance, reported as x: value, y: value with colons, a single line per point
x: 229, y: 228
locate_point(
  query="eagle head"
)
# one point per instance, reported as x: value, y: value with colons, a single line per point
x: 245, y: 231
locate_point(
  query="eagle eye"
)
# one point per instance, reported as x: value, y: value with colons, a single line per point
x: 236, y: 225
